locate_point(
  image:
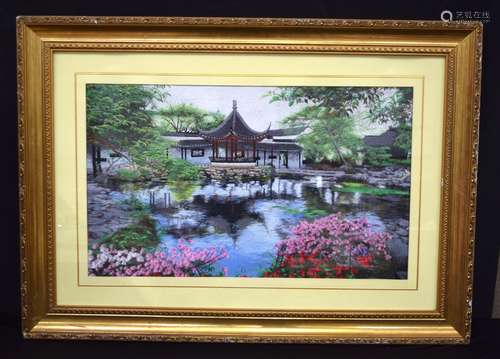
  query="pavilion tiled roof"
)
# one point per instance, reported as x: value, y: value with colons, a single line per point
x: 234, y: 124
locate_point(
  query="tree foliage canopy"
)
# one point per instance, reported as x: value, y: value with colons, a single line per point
x: 185, y: 118
x: 121, y: 118
x: 118, y: 116
x: 329, y: 111
x: 340, y: 101
x: 396, y: 109
x: 329, y: 137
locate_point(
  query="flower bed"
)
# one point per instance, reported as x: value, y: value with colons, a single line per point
x: 331, y: 247
x: 180, y: 261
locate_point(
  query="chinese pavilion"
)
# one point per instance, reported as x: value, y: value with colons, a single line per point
x: 233, y: 140
x: 233, y: 143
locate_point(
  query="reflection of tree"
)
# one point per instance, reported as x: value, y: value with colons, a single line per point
x: 183, y: 190
x: 315, y: 198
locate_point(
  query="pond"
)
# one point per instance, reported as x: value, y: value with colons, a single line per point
x: 248, y: 219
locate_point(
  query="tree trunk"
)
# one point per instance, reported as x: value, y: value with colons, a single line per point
x: 94, y: 161
x: 339, y: 154
x: 99, y: 166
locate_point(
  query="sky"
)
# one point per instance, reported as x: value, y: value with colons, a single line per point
x: 253, y: 105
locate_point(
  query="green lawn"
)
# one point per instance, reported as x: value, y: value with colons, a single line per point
x: 353, y: 187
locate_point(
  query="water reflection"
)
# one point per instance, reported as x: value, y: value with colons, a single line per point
x: 249, y: 218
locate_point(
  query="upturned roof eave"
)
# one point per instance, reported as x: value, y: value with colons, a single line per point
x: 231, y: 119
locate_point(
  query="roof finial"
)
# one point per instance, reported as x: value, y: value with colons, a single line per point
x: 234, y: 105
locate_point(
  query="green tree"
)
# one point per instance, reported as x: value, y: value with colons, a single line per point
x: 397, y: 110
x: 340, y: 101
x: 327, y: 114
x: 150, y: 158
x: 118, y: 117
x: 330, y: 137
x: 185, y: 118
x: 328, y: 110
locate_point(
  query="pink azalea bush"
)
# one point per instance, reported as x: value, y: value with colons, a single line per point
x: 330, y: 246
x: 180, y: 261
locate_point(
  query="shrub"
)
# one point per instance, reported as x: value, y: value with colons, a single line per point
x: 141, y: 234
x: 399, y: 162
x: 152, y: 160
x: 128, y: 175
x: 377, y: 156
x: 180, y: 170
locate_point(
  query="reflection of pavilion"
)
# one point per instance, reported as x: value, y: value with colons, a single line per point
x: 233, y: 143
x: 274, y: 188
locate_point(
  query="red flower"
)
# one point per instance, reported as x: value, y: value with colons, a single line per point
x: 312, y: 272
x: 338, y: 270
x: 364, y: 261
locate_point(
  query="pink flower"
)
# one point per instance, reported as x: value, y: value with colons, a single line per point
x: 178, y: 261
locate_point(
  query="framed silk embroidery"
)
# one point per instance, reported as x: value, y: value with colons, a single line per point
x: 254, y: 180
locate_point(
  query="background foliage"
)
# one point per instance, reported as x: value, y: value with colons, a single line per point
x: 329, y: 115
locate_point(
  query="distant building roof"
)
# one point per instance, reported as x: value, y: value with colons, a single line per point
x: 181, y: 134
x: 234, y: 124
x: 179, y: 138
x: 292, y: 131
x: 385, y: 139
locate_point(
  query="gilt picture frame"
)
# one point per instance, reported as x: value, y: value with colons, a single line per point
x: 247, y: 180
